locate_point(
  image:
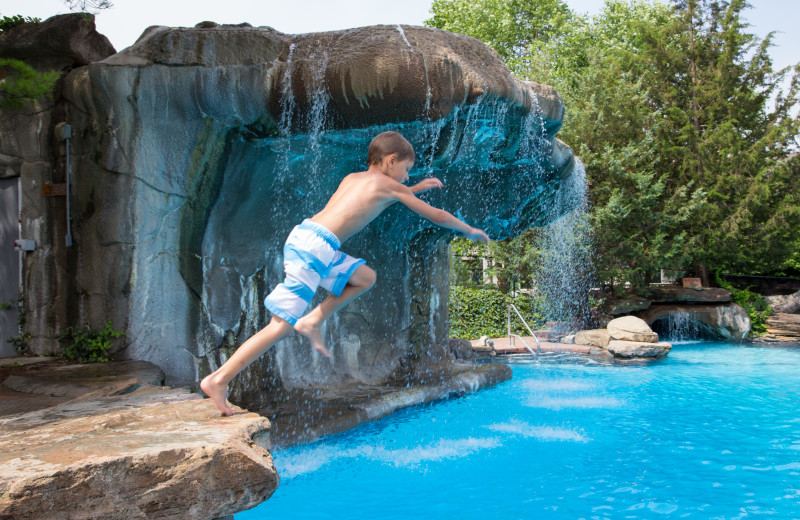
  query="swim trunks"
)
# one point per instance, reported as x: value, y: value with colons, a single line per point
x: 311, y: 259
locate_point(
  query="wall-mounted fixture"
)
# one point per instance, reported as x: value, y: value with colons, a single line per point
x: 64, y: 132
x: 25, y: 245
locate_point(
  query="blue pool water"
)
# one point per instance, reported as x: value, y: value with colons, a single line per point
x: 711, y: 432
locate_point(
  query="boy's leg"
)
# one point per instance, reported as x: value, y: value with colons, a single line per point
x: 215, y: 385
x: 362, y: 279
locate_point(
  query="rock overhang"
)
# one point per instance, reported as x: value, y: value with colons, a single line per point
x: 374, y: 74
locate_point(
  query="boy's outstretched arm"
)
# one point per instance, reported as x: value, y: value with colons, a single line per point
x: 438, y: 216
x: 425, y: 185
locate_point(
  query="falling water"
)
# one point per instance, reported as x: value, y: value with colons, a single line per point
x: 318, y: 115
x: 679, y: 325
x: 565, y: 275
x: 403, y: 34
x: 284, y: 145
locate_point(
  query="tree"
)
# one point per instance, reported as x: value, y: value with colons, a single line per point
x: 713, y: 82
x: 89, y: 6
x: 637, y: 214
x: 516, y: 29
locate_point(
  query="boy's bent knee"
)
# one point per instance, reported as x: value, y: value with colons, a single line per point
x: 364, y: 276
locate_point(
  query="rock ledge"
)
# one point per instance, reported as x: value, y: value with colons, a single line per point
x: 150, y: 453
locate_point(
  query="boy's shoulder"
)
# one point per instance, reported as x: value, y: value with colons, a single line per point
x: 365, y: 177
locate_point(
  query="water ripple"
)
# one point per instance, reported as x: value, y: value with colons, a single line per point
x: 547, y: 433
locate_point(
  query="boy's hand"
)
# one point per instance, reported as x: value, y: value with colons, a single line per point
x: 426, y: 184
x: 477, y: 235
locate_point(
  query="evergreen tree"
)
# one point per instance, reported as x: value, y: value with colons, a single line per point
x: 713, y: 82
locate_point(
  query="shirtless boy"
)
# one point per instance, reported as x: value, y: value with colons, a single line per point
x: 312, y: 259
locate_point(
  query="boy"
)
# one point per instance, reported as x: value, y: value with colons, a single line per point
x: 311, y: 256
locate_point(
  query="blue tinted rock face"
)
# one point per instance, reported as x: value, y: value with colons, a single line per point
x: 221, y: 139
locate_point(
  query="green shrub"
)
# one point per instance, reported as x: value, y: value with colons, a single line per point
x: 88, y: 345
x: 21, y: 342
x: 7, y: 22
x: 476, y: 312
x: 754, y: 304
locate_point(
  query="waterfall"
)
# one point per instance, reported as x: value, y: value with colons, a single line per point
x: 680, y: 325
x: 318, y: 115
x: 565, y: 275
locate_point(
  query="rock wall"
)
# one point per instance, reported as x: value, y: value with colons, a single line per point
x: 30, y: 156
x: 196, y: 150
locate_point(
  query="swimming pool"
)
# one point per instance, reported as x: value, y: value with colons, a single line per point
x: 711, y: 432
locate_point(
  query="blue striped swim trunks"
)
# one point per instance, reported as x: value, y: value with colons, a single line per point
x: 311, y: 259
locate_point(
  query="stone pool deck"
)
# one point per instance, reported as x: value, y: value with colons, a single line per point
x: 502, y: 346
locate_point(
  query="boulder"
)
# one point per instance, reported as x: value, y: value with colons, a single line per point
x: 631, y: 328
x: 152, y: 453
x: 616, y: 306
x: 638, y: 349
x: 788, y: 304
x: 595, y: 337
x: 674, y: 294
x: 461, y: 348
x: 61, y: 42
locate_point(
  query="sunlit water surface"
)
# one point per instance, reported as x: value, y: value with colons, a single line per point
x: 711, y: 432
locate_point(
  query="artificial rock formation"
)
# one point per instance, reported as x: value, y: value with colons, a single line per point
x: 196, y: 150
x: 639, y: 349
x: 726, y: 321
x: 685, y: 312
x: 594, y: 337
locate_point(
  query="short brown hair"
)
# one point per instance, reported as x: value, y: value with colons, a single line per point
x: 389, y: 143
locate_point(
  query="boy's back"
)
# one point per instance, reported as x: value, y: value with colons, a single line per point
x: 362, y: 196
x: 358, y: 200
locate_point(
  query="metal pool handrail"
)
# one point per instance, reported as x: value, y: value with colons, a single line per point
x: 512, y: 337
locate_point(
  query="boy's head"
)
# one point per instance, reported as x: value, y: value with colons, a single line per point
x: 386, y: 144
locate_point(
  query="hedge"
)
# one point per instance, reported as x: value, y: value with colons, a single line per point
x: 476, y: 312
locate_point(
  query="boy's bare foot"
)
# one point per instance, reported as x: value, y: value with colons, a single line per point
x: 218, y: 393
x: 314, y: 334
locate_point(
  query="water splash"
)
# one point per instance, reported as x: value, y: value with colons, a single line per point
x: 309, y: 460
x: 545, y: 433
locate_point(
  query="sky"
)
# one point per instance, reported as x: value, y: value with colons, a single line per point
x: 127, y: 19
